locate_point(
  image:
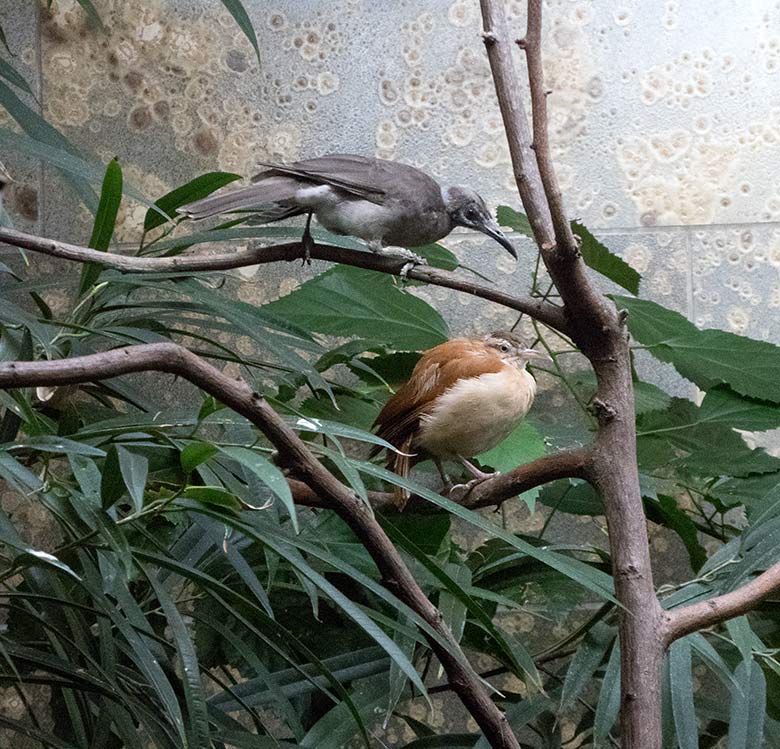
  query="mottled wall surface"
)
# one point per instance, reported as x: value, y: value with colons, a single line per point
x: 665, y: 118
x: 665, y: 124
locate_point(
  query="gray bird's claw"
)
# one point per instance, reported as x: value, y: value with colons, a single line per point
x: 404, y: 272
x: 308, y: 245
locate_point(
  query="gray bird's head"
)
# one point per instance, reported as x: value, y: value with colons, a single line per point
x: 466, y: 208
x: 513, y: 349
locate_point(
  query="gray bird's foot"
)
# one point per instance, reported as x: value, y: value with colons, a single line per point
x: 307, y: 242
x: 402, y: 252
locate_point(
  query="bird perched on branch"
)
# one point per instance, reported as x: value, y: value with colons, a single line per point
x: 382, y: 202
x: 463, y: 398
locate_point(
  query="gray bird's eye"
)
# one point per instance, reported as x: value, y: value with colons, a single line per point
x: 504, y: 348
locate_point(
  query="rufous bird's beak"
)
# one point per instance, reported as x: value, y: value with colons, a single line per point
x: 491, y: 229
x: 536, y: 357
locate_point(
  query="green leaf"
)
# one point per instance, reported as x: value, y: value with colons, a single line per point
x: 597, y: 256
x: 703, y: 444
x: 54, y: 444
x: 268, y: 474
x: 105, y: 221
x: 573, y: 497
x: 194, y: 190
x: 349, y: 301
x: 334, y: 729
x: 609, y: 697
x: 134, y: 469
x: 91, y: 11
x: 438, y: 256
x: 649, y: 397
x: 705, y: 357
x: 8, y: 72
x: 723, y: 406
x: 681, y: 681
x: 199, y: 732
x: 196, y: 453
x: 36, y: 127
x: 592, y: 579
x: 237, y: 10
x: 748, y: 707
x: 523, y: 445
x: 680, y: 522
x: 512, y: 219
x: 585, y: 662
x: 213, y: 495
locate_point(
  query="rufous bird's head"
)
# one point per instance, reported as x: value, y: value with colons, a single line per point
x: 513, y: 349
x: 466, y: 208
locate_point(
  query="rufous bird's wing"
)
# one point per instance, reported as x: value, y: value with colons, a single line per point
x: 438, y: 370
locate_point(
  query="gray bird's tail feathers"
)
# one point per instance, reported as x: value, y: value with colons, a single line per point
x: 272, y: 199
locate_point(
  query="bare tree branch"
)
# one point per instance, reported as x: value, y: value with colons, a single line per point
x: 545, y: 312
x: 532, y: 44
x: 696, y: 616
x: 236, y: 394
x: 490, y: 493
x: 597, y: 330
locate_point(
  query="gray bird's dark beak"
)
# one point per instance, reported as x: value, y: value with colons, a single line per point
x: 491, y: 229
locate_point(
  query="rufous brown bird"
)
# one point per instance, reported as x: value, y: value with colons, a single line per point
x: 463, y: 398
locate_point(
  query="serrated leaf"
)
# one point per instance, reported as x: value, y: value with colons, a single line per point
x: 514, y: 220
x: 704, y: 445
x: 705, y: 357
x: 105, y: 221
x: 723, y: 406
x: 523, y: 445
x: 348, y: 301
x: 649, y: 397
x: 195, y: 189
x: 597, y: 256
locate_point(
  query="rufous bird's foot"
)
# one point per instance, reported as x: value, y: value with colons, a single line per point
x: 476, y: 472
x: 459, y: 492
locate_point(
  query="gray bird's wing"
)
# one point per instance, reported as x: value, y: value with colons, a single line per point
x: 368, y: 178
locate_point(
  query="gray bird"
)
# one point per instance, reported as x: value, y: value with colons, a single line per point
x: 382, y: 202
